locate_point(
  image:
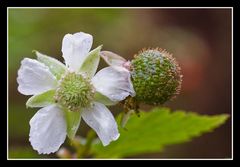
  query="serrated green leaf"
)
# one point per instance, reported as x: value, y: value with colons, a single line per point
x: 41, y: 100
x: 56, y: 67
x: 90, y: 64
x: 103, y: 99
x: 73, y: 121
x: 153, y: 130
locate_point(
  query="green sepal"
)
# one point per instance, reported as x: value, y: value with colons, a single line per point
x: 73, y: 120
x: 90, y: 64
x: 41, y: 100
x: 56, y: 67
x: 103, y: 99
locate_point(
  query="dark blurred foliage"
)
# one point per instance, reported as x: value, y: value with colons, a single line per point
x: 200, y: 39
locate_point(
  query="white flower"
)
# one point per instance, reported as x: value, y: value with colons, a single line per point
x: 117, y: 62
x: 70, y: 92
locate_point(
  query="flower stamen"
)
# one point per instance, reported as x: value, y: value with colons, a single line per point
x: 74, y: 91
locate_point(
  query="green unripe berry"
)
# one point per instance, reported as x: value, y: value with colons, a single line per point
x: 74, y: 92
x: 156, y: 76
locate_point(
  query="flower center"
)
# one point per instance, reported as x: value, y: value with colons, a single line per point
x: 74, y: 92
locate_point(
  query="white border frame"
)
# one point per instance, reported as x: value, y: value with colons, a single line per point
x: 131, y: 8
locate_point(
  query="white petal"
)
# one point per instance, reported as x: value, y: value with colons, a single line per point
x: 34, y: 78
x: 75, y: 49
x: 112, y: 59
x: 102, y: 121
x: 114, y: 82
x: 48, y: 129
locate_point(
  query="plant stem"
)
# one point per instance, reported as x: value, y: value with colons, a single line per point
x: 86, y: 149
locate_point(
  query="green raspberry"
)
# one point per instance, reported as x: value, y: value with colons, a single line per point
x: 156, y: 76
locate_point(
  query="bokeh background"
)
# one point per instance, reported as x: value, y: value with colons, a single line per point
x: 200, y: 39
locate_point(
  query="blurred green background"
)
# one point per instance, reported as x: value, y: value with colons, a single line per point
x: 200, y: 39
